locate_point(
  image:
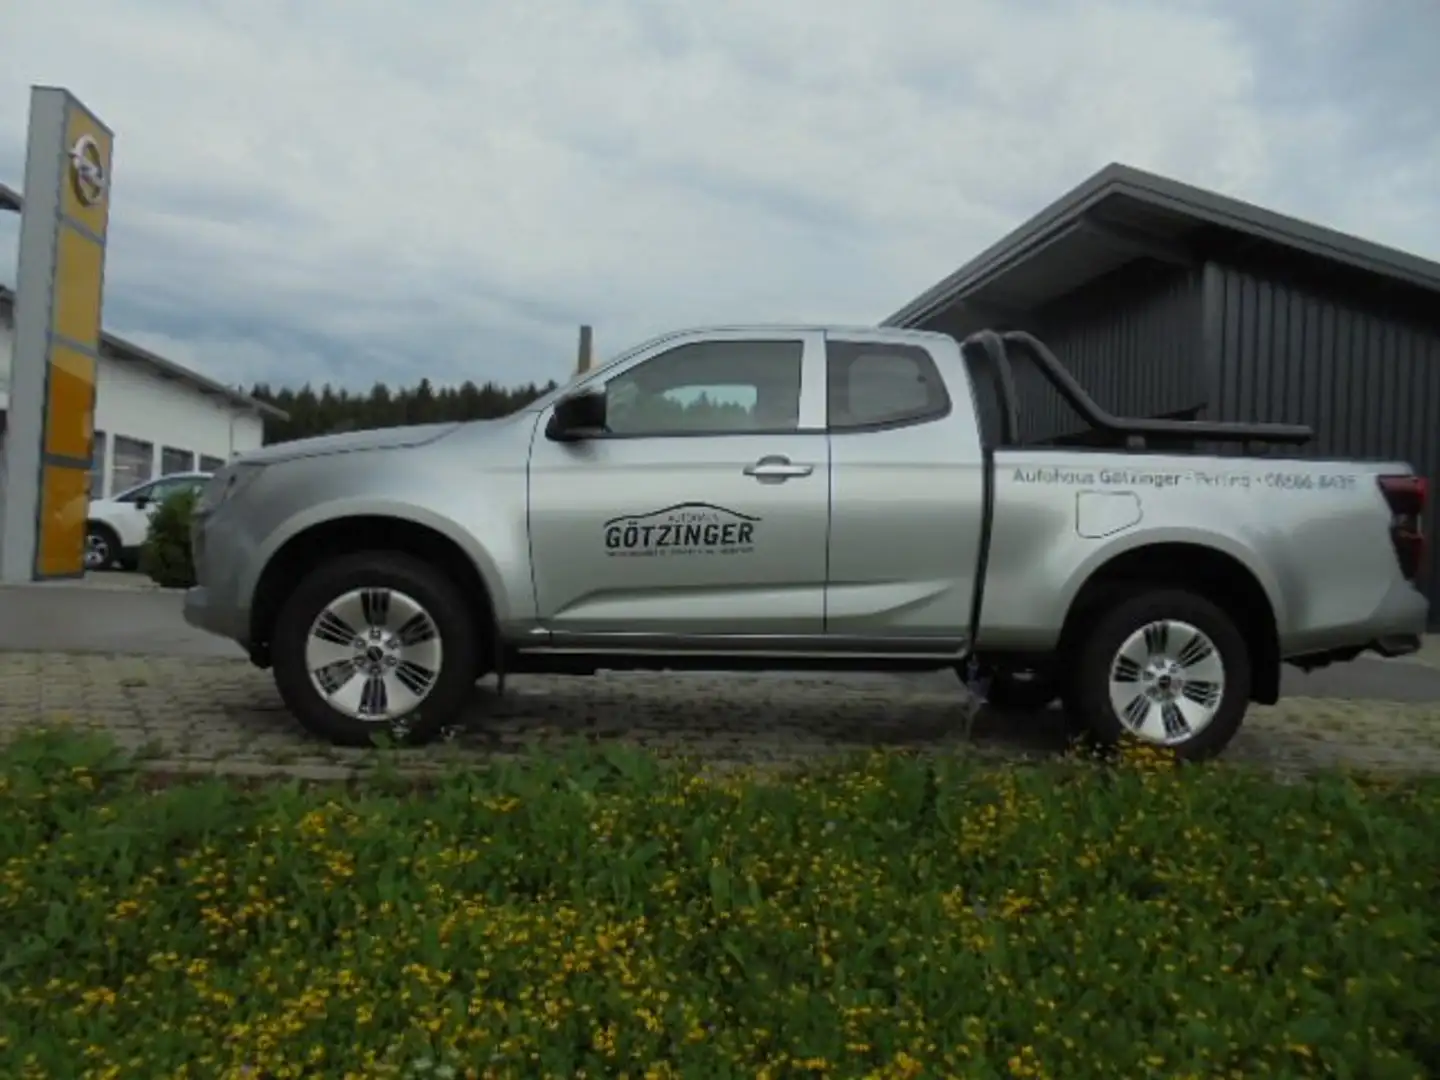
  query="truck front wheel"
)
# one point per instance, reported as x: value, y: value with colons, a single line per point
x: 376, y: 643
x: 1165, y: 667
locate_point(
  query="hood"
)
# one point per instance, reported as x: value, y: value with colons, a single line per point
x: 394, y: 438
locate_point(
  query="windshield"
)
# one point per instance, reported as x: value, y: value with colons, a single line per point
x: 544, y: 401
x: 159, y: 486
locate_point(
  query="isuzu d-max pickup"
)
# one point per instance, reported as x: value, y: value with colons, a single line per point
x: 805, y: 497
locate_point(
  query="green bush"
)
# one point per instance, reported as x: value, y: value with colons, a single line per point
x: 165, y: 556
x: 602, y: 913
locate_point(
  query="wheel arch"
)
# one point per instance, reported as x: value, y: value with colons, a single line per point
x: 1207, y: 569
x: 309, y: 544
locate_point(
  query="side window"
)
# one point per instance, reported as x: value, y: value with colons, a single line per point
x: 145, y: 492
x: 211, y: 464
x: 132, y: 462
x: 871, y: 384
x: 721, y: 387
x: 163, y: 489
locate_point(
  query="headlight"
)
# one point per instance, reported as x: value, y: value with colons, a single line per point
x: 227, y: 483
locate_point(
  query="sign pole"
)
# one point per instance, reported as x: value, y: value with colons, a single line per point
x: 49, y: 440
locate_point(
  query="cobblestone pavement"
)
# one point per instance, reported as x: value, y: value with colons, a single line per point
x: 189, y: 714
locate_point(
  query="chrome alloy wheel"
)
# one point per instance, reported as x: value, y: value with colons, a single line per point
x: 1167, y: 682
x: 374, y: 654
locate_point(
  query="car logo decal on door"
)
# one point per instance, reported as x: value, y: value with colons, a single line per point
x: 689, y: 528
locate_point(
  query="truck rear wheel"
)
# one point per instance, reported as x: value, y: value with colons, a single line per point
x: 376, y: 643
x: 1165, y: 667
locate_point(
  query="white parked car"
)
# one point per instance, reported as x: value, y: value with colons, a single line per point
x: 115, y: 528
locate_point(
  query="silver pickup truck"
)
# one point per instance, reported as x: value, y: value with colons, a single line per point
x: 794, y: 498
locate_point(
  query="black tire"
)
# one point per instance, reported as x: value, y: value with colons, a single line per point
x: 443, y: 601
x: 96, y: 533
x: 1021, y: 690
x: 1088, y: 696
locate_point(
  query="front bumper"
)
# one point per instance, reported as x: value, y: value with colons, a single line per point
x: 202, y: 612
x: 218, y: 604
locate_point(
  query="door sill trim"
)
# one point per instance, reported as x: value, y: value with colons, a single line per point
x: 774, y: 646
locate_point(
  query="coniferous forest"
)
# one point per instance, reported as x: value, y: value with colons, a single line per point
x: 331, y: 411
x: 328, y: 411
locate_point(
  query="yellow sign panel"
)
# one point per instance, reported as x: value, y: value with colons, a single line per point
x: 64, y: 501
x: 70, y: 405
x: 85, y: 194
x: 79, y: 276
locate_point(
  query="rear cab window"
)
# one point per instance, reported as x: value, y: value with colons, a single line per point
x: 876, y: 385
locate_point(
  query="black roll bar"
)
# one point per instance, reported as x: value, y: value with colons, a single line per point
x: 996, y: 349
x: 989, y: 344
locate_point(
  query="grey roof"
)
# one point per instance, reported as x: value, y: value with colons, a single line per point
x: 1120, y: 214
x: 125, y: 351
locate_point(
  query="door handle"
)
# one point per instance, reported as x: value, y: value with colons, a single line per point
x: 777, y: 469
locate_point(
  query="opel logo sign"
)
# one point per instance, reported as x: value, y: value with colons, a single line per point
x: 87, y: 170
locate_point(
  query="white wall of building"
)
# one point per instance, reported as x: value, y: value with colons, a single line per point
x: 134, y: 402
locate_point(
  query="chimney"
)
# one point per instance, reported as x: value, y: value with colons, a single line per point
x: 586, y: 343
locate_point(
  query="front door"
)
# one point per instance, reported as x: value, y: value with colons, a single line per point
x: 702, y: 512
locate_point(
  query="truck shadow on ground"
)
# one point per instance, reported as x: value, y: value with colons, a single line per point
x: 731, y: 718
x: 749, y: 718
x: 204, y: 710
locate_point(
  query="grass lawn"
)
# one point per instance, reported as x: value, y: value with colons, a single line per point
x: 606, y: 914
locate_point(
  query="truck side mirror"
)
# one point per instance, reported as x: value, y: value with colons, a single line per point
x: 579, y: 416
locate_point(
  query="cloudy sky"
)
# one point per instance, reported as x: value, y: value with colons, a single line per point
x: 332, y: 190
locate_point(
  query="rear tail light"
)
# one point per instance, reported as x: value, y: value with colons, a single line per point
x: 1407, y: 497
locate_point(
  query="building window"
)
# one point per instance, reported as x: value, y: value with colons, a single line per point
x: 173, y: 460
x: 872, y: 385
x: 211, y: 464
x: 132, y: 462
x: 97, y: 466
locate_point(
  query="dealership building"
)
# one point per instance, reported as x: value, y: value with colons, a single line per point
x: 152, y: 416
x: 1167, y: 300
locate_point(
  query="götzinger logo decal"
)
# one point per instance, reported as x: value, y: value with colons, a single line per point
x: 690, y: 528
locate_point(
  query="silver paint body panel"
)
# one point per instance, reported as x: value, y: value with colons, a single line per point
x: 873, y: 551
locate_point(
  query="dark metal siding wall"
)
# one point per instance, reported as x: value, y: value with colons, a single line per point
x: 1366, y: 377
x: 1132, y: 339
